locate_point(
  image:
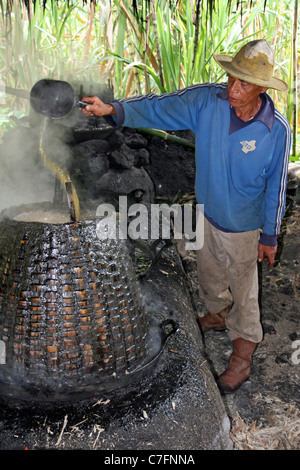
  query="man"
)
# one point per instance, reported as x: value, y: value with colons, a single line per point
x: 242, y: 154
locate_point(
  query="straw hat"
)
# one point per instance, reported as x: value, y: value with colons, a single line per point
x: 253, y: 63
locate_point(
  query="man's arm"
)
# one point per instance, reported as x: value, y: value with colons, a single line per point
x: 275, y: 193
x: 169, y: 111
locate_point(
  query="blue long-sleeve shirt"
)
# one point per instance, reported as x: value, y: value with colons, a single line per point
x: 241, y: 168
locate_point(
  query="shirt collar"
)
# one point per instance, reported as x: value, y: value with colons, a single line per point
x: 265, y: 114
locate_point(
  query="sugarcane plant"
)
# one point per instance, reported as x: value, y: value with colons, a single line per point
x: 140, y: 47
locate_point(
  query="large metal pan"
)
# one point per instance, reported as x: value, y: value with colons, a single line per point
x: 54, y: 98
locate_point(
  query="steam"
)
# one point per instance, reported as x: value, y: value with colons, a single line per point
x: 24, y: 178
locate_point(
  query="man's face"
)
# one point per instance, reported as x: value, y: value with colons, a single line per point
x: 241, y: 93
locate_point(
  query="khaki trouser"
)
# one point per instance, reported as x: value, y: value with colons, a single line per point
x: 227, y: 271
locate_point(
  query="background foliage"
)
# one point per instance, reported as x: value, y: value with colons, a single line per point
x: 160, y: 46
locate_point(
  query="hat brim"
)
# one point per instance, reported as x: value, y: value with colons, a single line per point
x: 225, y: 62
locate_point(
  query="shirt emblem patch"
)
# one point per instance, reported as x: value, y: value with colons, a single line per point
x: 248, y: 146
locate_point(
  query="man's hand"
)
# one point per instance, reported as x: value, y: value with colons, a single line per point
x: 97, y: 107
x: 267, y: 253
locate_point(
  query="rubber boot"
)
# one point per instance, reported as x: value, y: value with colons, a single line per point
x: 239, y: 366
x: 215, y: 321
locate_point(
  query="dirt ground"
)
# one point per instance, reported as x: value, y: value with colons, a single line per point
x: 265, y: 411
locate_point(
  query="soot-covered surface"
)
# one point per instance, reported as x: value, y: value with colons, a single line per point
x: 155, y: 411
x: 175, y: 405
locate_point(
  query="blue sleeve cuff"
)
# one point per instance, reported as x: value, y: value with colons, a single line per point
x: 268, y: 240
x: 119, y: 118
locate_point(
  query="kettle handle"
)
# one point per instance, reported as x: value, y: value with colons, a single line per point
x: 81, y: 104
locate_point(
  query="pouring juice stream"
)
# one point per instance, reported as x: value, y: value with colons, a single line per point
x: 63, y: 177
